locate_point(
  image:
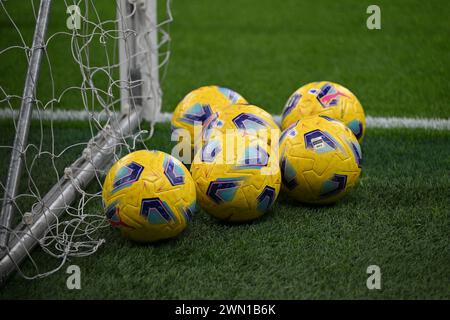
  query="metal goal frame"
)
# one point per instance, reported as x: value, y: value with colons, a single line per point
x: 138, y: 59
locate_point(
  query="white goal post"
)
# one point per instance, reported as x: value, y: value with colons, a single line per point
x: 143, y: 66
x: 137, y: 39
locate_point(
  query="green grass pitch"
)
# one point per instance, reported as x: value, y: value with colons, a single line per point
x: 396, y: 218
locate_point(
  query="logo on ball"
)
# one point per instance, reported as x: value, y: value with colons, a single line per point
x: 329, y: 96
x: 320, y: 142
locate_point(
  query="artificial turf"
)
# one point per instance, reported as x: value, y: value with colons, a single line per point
x: 396, y: 218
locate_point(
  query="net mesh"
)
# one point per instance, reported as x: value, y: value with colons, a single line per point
x: 79, y: 79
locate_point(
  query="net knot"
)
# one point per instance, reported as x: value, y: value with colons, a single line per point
x: 28, y: 218
x: 68, y: 173
x: 87, y: 152
x: 140, y: 3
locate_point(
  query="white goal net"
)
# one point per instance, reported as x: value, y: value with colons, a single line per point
x: 99, y: 63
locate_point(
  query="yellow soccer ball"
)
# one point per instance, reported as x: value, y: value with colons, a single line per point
x: 245, y: 119
x: 329, y: 99
x: 199, y: 105
x: 149, y: 196
x: 320, y: 160
x: 237, y: 179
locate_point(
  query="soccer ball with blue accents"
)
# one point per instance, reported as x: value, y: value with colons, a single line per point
x: 320, y: 160
x: 149, y: 196
x: 237, y: 179
x: 198, y: 105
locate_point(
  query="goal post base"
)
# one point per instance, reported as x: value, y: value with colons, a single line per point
x: 114, y: 56
x: 77, y: 176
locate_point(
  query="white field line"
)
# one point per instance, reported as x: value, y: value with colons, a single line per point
x: 372, y: 122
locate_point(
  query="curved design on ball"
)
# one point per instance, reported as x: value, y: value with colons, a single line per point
x: 289, y: 131
x: 333, y: 186
x: 356, y: 149
x: 173, y: 172
x: 113, y: 216
x: 189, y: 211
x: 266, y: 198
x: 356, y: 127
x: 230, y: 94
x: 288, y: 174
x: 328, y: 118
x: 156, y: 211
x: 223, y: 190
x: 198, y: 113
x: 290, y: 105
x: 126, y: 176
x: 247, y: 121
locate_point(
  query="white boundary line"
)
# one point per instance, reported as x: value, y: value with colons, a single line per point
x: 403, y: 122
x: 372, y: 122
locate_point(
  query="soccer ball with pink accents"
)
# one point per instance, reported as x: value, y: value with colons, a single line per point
x: 329, y: 99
